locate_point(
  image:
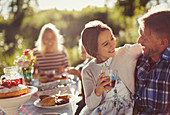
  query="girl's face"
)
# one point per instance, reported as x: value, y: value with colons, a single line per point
x: 106, y: 46
x: 49, y: 38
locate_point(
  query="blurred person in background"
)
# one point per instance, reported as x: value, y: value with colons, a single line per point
x: 77, y: 71
x: 85, y: 57
x: 153, y: 67
x: 51, y: 54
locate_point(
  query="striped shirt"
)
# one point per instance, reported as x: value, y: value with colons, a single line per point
x: 153, y: 85
x: 51, y: 60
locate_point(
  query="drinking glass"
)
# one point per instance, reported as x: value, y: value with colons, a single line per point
x: 112, y: 78
x: 50, y: 74
x: 12, y: 73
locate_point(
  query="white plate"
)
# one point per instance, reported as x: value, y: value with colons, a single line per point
x: 10, y: 105
x: 38, y: 104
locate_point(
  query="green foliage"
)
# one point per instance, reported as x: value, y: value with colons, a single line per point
x: 22, y: 30
x: 74, y: 55
x: 8, y: 59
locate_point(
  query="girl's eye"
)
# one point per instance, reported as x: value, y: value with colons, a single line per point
x: 105, y: 44
x: 112, y: 38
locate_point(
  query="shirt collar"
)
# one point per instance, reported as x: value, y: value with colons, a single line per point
x: 166, y: 54
x: 106, y: 63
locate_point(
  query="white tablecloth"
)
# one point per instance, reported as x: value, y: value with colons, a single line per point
x: 51, y: 88
x: 28, y: 108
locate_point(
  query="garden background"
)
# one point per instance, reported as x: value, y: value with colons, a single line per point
x: 20, y: 29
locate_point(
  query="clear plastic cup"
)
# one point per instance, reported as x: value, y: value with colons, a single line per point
x: 12, y: 73
x: 112, y: 78
x: 50, y: 73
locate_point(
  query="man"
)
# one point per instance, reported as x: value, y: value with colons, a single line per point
x: 153, y: 67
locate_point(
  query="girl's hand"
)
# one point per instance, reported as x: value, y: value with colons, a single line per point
x: 102, y: 81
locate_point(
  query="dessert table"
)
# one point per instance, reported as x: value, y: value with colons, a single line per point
x: 71, y: 87
x: 29, y: 108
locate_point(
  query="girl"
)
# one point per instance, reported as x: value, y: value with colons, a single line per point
x: 99, y: 42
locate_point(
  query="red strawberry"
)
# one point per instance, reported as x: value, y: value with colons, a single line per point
x: 5, y: 84
x: 14, y: 83
x: 10, y: 83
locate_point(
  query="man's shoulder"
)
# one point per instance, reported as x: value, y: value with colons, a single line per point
x: 142, y: 59
x: 166, y: 54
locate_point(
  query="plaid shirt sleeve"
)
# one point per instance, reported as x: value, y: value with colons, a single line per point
x: 153, y: 85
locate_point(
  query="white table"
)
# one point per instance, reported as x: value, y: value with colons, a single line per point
x: 50, y: 88
x: 28, y: 108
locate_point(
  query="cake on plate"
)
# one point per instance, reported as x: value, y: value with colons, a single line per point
x: 12, y: 88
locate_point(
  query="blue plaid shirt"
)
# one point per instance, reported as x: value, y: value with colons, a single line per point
x: 153, y: 85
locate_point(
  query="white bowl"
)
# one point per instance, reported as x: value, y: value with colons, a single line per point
x: 10, y: 105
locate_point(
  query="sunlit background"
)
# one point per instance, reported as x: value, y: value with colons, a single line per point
x: 21, y: 21
x: 61, y: 4
x: 71, y: 4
